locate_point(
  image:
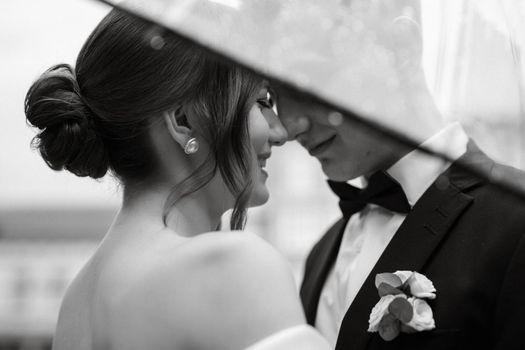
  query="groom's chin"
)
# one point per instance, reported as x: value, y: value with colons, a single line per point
x: 334, y: 171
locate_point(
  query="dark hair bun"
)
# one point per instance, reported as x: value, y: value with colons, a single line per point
x: 67, y: 138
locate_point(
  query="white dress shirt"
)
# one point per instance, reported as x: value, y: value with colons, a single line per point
x: 369, y: 231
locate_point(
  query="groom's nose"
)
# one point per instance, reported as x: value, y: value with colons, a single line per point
x: 296, y: 125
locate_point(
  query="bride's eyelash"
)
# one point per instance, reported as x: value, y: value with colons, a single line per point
x: 266, y: 102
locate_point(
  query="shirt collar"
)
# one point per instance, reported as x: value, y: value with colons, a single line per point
x: 416, y: 171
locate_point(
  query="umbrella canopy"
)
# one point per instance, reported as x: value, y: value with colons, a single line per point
x: 379, y: 62
x: 345, y: 52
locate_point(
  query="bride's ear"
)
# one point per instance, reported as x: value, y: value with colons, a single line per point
x: 178, y: 126
x: 180, y: 130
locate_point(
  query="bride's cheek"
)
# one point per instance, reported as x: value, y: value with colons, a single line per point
x: 258, y: 129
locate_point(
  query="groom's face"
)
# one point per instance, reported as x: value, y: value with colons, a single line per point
x: 344, y: 149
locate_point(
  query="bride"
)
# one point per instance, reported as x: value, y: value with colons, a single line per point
x: 187, y: 136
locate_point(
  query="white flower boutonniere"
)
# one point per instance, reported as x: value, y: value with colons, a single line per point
x: 401, y: 307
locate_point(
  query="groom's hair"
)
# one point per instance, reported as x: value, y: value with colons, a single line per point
x: 95, y: 118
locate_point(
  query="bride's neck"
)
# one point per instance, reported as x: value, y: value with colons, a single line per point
x: 196, y: 213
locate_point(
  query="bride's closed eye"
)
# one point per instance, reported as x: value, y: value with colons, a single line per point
x: 265, y: 101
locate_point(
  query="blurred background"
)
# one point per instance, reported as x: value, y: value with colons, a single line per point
x: 51, y: 222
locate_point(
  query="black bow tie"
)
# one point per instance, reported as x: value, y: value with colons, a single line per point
x: 382, y: 190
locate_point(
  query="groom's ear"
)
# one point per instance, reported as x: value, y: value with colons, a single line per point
x: 407, y: 38
x: 178, y: 126
x: 407, y: 30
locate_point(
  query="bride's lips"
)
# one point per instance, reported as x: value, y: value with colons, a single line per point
x: 321, y: 147
x: 261, y: 159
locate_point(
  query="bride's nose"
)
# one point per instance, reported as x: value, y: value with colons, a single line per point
x: 278, y: 134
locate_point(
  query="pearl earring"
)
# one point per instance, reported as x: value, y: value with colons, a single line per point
x: 192, y: 146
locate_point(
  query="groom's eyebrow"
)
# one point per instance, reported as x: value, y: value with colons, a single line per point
x: 283, y: 90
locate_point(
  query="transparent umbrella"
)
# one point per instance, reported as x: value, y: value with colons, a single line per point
x: 377, y: 61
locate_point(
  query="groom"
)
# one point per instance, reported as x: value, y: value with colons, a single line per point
x: 411, y: 212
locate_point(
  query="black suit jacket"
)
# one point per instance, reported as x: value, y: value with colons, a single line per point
x: 465, y: 235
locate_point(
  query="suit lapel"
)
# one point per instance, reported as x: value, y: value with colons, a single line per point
x: 319, y: 263
x: 413, y: 244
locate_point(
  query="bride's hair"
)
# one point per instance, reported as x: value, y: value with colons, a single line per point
x: 95, y: 118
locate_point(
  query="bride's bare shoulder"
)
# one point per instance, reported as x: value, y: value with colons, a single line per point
x: 230, y: 248
x: 209, y: 260
x: 232, y: 286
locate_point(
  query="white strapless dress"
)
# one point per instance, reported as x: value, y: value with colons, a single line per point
x: 302, y: 337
